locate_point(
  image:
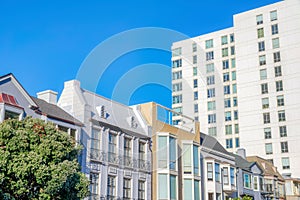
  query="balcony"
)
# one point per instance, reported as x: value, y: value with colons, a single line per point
x: 127, y: 162
x: 143, y: 164
x: 98, y: 155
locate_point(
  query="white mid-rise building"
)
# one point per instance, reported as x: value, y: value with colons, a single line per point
x: 242, y: 83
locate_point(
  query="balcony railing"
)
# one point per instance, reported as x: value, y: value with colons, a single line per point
x: 128, y: 161
x: 94, y: 197
x: 113, y: 158
x: 125, y: 161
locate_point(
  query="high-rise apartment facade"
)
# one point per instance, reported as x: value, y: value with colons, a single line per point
x: 242, y: 83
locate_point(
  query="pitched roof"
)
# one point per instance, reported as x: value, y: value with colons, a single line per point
x: 267, y: 167
x: 242, y: 163
x: 211, y: 143
x: 55, y: 112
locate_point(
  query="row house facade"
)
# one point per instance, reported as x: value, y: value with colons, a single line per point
x: 116, y: 144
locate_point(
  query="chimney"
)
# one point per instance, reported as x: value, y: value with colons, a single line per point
x: 241, y: 152
x: 48, y: 96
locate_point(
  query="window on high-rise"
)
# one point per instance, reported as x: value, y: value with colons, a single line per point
x: 209, y: 56
x: 269, y: 148
x: 280, y: 100
x: 194, y: 59
x: 234, y: 88
x: 267, y: 132
x: 177, y: 99
x: 259, y: 19
x: 235, y: 115
x: 224, y: 40
x: 283, y: 131
x: 211, y: 80
x: 177, y: 75
x: 226, y: 77
x: 210, y: 67
x: 176, y: 52
x: 187, y: 158
x: 263, y: 74
x: 276, y: 57
x: 232, y: 50
x: 275, y: 43
x: 260, y: 33
x: 281, y: 116
x: 227, y: 89
x: 224, y: 52
x: 228, y: 129
x: 209, y: 44
x: 231, y: 38
x: 194, y: 47
x: 227, y: 103
x: 277, y: 71
x: 195, y: 83
x: 229, y: 143
x: 279, y: 86
x: 265, y: 103
x: 237, y: 142
x: 211, y: 105
x: 228, y: 116
x: 262, y: 60
x: 264, y: 88
x: 273, y: 15
x: 266, y: 117
x: 284, y: 147
x: 196, y: 95
x: 195, y: 71
x: 177, y: 87
x: 212, y: 118
x: 236, y: 128
x: 274, y: 29
x: 225, y: 64
x: 261, y: 46
x: 233, y: 63
x: 235, y: 101
x: 212, y: 131
x: 173, y: 188
x: 233, y: 75
x: 285, y: 163
x: 195, y: 108
x: 211, y: 93
x: 177, y: 63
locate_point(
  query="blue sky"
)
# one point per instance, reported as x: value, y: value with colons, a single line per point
x: 44, y: 43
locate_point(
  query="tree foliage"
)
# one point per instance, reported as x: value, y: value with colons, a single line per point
x: 38, y: 162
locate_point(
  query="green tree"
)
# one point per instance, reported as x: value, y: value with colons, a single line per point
x: 39, y: 162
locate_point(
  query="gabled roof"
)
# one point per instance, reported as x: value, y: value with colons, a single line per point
x: 19, y: 86
x: 243, y: 163
x: 267, y: 167
x: 211, y: 143
x: 54, y: 112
